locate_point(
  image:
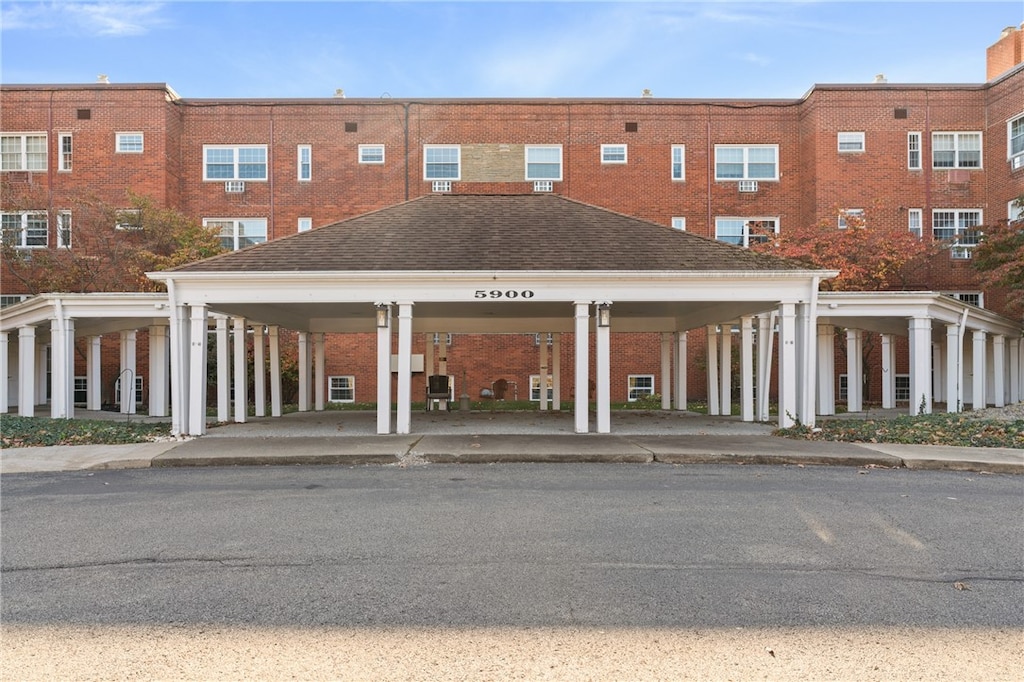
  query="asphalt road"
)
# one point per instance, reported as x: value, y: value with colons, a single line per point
x: 584, y: 549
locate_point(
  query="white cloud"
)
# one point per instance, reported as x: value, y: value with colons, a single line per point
x: 109, y: 18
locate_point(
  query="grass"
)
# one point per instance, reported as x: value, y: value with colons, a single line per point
x: 930, y: 429
x: 23, y: 432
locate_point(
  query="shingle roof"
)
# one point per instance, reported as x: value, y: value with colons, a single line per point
x: 460, y: 232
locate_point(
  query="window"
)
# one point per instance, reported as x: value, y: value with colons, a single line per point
x: 441, y: 163
x: 613, y: 153
x: 851, y: 142
x: 64, y: 229
x: 914, y: 151
x: 238, y: 233
x: 902, y: 387
x: 11, y: 299
x: 745, y: 231
x: 640, y: 385
x: 81, y: 390
x: 66, y: 147
x: 956, y: 150
x: 128, y: 219
x: 25, y: 152
x: 535, y: 388
x: 341, y: 389
x: 371, y: 153
x: 957, y: 227
x: 304, y: 225
x: 679, y: 223
x: 678, y: 162
x: 844, y: 387
x: 129, y: 143
x: 544, y: 162
x: 851, y: 216
x: 138, y: 391
x: 970, y: 297
x: 1014, y: 211
x: 738, y: 162
x: 915, y: 218
x: 222, y: 162
x: 305, y: 169
x: 25, y: 230
x: 1015, y: 140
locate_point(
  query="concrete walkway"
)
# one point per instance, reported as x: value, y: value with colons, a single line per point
x: 348, y: 438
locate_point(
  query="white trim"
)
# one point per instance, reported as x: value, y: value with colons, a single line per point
x: 23, y: 153
x: 235, y: 237
x: 365, y: 156
x: 546, y: 162
x: 235, y: 162
x: 427, y: 148
x: 845, y: 213
x: 65, y: 159
x: 304, y: 224
x: 304, y: 167
x: 681, y: 177
x: 1010, y: 155
x: 351, y: 387
x: 632, y: 391
x: 915, y: 215
x: 746, y: 162
x: 850, y: 142
x: 958, y: 150
x: 914, y: 148
x: 610, y: 154
x: 679, y: 223
x: 127, y: 138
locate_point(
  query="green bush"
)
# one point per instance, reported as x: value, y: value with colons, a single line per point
x: 927, y: 429
x: 25, y: 432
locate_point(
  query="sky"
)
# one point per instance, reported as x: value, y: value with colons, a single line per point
x: 676, y: 49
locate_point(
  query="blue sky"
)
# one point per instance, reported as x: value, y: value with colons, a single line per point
x: 499, y: 49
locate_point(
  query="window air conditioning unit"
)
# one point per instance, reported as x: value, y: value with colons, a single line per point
x: 1017, y: 162
x: 442, y: 186
x: 234, y: 186
x: 543, y: 186
x: 748, y: 185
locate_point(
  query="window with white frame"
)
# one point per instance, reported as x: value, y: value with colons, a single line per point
x: 128, y: 219
x: 746, y: 162
x: 65, y: 157
x: 956, y: 150
x: 679, y: 162
x: 11, y: 299
x: 25, y: 229
x: 23, y: 152
x: 305, y: 163
x: 371, y: 153
x: 844, y: 387
x: 902, y: 382
x: 544, y: 162
x: 1014, y: 211
x: 915, y: 220
x: 81, y: 390
x: 64, y: 229
x: 959, y: 227
x: 442, y: 162
x: 640, y: 386
x: 129, y: 143
x: 914, y: 151
x: 1015, y: 140
x: 745, y: 231
x: 341, y: 389
x: 850, y: 142
x: 535, y: 388
x: 304, y: 225
x: 851, y: 216
x: 234, y: 162
x: 679, y: 223
x: 613, y: 153
x: 971, y: 297
x: 138, y: 391
x: 238, y: 233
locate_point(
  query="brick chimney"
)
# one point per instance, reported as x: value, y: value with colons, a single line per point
x: 1006, y: 53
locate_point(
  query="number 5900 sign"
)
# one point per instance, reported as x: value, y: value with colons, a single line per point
x: 503, y: 293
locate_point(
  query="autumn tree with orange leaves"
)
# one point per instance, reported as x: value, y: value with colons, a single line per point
x: 999, y: 259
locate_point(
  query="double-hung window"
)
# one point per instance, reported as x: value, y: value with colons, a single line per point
x: 544, y: 162
x: 129, y: 143
x: 851, y: 142
x: 66, y: 148
x: 238, y: 233
x: 613, y: 153
x: 25, y: 229
x: 956, y: 150
x: 342, y: 389
x: 64, y: 229
x: 442, y: 162
x: 305, y: 162
x: 745, y: 231
x: 1015, y: 141
x: 914, y: 151
x: 678, y: 162
x: 851, y: 216
x: 915, y: 219
x: 746, y: 162
x: 234, y: 162
x: 679, y: 223
x: 640, y: 386
x: 959, y: 227
x: 23, y: 152
x: 371, y: 153
x: 535, y: 388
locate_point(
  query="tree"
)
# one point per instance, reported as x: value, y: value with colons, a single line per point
x: 100, y: 247
x: 999, y: 258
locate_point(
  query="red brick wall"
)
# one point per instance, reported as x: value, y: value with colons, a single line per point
x: 1005, y: 54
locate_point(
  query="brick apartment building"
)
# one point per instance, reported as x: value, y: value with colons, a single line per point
x: 936, y: 159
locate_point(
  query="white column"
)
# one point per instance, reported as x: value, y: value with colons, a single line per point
x: 747, y: 368
x: 920, y: 365
x: 403, y: 421
x: 58, y: 368
x: 725, y: 368
x: 223, y: 370
x: 787, y: 365
x: 765, y: 341
x: 305, y: 367
x: 259, y: 366
x: 602, y: 365
x: 582, y: 336
x: 26, y: 371
x: 999, y: 370
x: 666, y: 370
x: 714, y: 403
x: 888, y: 371
x: 1014, y: 346
x: 69, y: 358
x: 854, y: 370
x: 543, y: 394
x: 128, y: 371
x: 681, y: 362
x: 241, y: 373
x: 274, y: 341
x: 320, y: 355
x: 826, y: 369
x: 978, y: 386
x: 4, y: 369
x: 954, y: 369
x: 40, y: 365
x: 181, y: 339
x: 197, y: 370
x: 384, y: 376
x: 938, y: 371
x: 556, y: 372
x: 158, y: 347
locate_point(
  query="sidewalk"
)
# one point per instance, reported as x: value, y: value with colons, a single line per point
x: 348, y: 438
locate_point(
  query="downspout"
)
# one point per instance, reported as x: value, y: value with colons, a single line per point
x: 406, y: 134
x: 270, y: 173
x: 710, y: 171
x: 49, y: 166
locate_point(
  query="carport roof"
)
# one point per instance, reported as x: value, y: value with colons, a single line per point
x: 459, y: 232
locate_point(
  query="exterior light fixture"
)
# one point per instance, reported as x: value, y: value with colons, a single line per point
x: 604, y: 314
x: 383, y: 315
